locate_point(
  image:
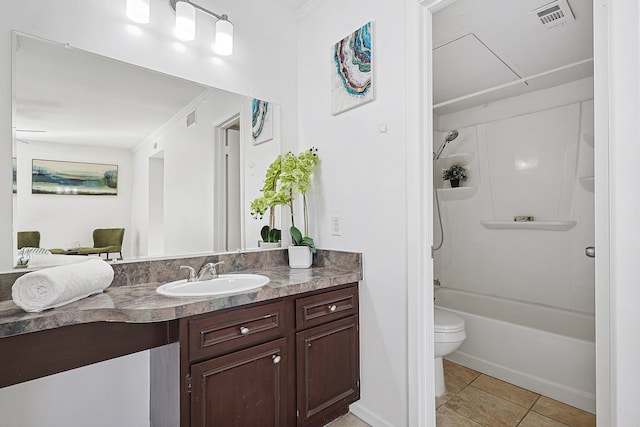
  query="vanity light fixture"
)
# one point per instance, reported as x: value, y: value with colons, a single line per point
x: 138, y: 11
x: 185, y: 26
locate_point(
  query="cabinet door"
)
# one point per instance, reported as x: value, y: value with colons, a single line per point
x: 245, y: 388
x: 328, y: 370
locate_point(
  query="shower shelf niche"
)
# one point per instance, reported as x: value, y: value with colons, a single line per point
x: 587, y: 183
x: 458, y: 193
x: 463, y: 159
x: 588, y: 138
x: 559, y: 225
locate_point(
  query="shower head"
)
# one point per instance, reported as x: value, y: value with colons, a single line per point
x: 450, y: 137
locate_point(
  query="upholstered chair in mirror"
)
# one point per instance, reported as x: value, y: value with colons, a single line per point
x: 105, y: 241
x: 28, y: 239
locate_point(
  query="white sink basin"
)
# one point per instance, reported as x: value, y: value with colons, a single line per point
x: 223, y: 285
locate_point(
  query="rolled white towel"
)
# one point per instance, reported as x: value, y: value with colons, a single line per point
x: 56, y: 286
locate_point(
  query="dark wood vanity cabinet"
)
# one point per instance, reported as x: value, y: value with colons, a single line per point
x: 292, y: 361
x: 238, y: 367
x: 327, y: 355
x: 244, y: 388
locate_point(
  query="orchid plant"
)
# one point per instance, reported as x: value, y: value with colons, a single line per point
x: 295, y: 178
x: 271, y: 198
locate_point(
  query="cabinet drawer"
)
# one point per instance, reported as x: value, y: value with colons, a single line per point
x: 219, y: 334
x: 318, y: 309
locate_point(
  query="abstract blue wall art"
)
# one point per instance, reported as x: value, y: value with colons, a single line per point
x: 352, y: 70
x: 73, y: 178
x: 261, y: 121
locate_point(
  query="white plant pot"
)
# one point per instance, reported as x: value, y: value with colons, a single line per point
x: 268, y: 245
x: 300, y: 257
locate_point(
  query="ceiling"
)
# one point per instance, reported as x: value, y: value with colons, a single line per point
x: 295, y: 4
x: 69, y: 96
x: 74, y: 97
x: 479, y: 45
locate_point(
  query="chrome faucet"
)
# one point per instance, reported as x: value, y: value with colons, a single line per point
x: 192, y: 273
x: 207, y: 271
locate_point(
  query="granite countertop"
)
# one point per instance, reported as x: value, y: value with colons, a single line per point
x: 140, y: 303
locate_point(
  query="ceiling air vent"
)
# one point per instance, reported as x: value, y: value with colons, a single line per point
x: 191, y: 118
x: 555, y: 13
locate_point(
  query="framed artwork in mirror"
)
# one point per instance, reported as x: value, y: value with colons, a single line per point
x: 73, y: 178
x: 352, y: 71
x: 261, y: 121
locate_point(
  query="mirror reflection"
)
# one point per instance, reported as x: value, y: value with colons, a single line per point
x: 182, y: 161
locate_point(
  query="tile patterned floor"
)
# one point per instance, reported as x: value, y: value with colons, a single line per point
x: 478, y: 400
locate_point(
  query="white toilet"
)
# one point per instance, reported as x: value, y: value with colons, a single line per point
x: 449, y: 334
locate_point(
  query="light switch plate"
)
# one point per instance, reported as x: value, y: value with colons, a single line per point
x: 336, y: 230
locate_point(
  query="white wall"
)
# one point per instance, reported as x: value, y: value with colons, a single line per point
x: 192, y: 181
x: 361, y: 179
x: 260, y: 66
x: 624, y: 127
x: 83, y: 396
x: 190, y: 164
x: 66, y: 221
x: 153, y: 245
x: 527, y: 154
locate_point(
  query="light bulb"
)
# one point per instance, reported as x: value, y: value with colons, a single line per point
x: 224, y: 38
x: 138, y: 11
x: 185, y: 28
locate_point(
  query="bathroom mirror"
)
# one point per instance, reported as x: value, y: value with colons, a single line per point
x: 187, y: 162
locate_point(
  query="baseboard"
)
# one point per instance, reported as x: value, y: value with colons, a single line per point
x: 578, y: 398
x: 367, y: 416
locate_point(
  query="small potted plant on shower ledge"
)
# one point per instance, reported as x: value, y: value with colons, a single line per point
x: 295, y: 178
x: 454, y: 174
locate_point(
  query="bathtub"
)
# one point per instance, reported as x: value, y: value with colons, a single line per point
x: 543, y: 349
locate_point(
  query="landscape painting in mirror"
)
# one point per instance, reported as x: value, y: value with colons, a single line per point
x: 74, y: 178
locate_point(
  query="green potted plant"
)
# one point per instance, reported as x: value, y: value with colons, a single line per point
x: 454, y: 174
x: 271, y: 197
x: 295, y: 178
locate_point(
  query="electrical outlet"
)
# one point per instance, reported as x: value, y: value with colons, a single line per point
x: 335, y: 226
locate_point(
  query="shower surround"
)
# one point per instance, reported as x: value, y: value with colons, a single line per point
x: 527, y: 156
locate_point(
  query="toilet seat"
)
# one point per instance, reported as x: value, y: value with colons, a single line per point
x: 448, y: 335
x: 445, y: 322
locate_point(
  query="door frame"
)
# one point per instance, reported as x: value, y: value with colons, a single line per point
x: 220, y: 180
x: 420, y: 263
